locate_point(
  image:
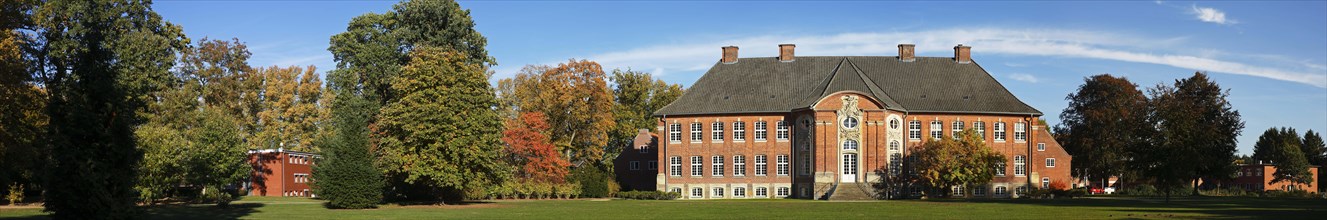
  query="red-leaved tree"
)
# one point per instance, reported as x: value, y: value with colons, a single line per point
x: 532, y: 151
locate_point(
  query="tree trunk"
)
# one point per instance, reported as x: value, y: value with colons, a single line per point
x: 1195, y: 187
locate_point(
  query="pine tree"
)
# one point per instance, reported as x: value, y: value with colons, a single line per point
x: 1316, y: 152
x: 345, y: 176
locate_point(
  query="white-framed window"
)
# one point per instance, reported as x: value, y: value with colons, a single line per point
x: 850, y: 145
x: 696, y: 168
x: 781, y: 162
x: 762, y: 192
x: 849, y: 122
x: 1050, y: 162
x: 717, y: 192
x: 894, y: 145
x: 806, y: 164
x: 783, y: 192
x: 1020, y: 165
x: 695, y: 132
x: 1020, y: 132
x: 1001, y: 190
x: 1045, y: 182
x: 1021, y: 190
x: 739, y: 131
x: 739, y: 192
x: 893, y: 123
x: 644, y: 149
x: 635, y: 165
x: 915, y: 130
x: 999, y: 131
x: 958, y: 190
x: 675, y: 132
x: 981, y: 129
x: 849, y: 163
x: 895, y: 164
x: 675, y: 166
x: 676, y: 190
x: 739, y: 165
x: 955, y: 128
x: 716, y: 163
x: 760, y: 130
x: 999, y: 169
x: 979, y: 191
x: 654, y: 165
x: 1041, y: 146
x: 716, y: 131
x: 781, y: 130
x: 697, y: 192
x: 937, y: 129
x: 761, y: 169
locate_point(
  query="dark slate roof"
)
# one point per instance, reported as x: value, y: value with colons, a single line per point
x: 928, y: 84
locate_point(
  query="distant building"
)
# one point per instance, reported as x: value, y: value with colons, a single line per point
x: 826, y: 127
x: 1258, y: 177
x: 638, y: 165
x: 280, y: 172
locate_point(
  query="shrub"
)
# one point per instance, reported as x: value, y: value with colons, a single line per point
x: 648, y: 195
x: 593, y: 181
x: 1290, y: 194
x: 15, y: 194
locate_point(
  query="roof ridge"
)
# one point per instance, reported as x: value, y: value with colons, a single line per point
x: 824, y: 87
x: 875, y: 89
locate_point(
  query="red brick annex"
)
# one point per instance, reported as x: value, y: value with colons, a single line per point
x: 280, y: 172
x: 828, y: 127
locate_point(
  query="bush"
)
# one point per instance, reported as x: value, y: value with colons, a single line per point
x: 1149, y: 190
x: 648, y: 195
x: 1290, y: 194
x: 594, y: 181
x: 15, y: 194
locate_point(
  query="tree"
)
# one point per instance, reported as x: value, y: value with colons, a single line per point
x: 1316, y: 152
x: 961, y: 161
x: 1106, y: 119
x: 217, y: 157
x: 529, y: 149
x: 346, y: 177
x: 1196, y: 134
x: 636, y: 96
x: 22, y: 121
x: 442, y: 131
x: 218, y: 74
x: 1283, y: 148
x: 577, y: 102
x: 290, y: 113
x: 100, y: 61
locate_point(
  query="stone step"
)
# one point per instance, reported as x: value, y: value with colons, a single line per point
x: 853, y: 191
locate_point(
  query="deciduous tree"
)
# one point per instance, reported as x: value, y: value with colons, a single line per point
x: 22, y: 122
x: 1196, y: 134
x: 530, y: 150
x: 636, y: 96
x: 962, y: 161
x: 1106, y: 120
x: 576, y: 99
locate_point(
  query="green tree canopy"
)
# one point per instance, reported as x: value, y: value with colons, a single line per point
x: 1197, y: 130
x: 1106, y: 119
x: 961, y: 161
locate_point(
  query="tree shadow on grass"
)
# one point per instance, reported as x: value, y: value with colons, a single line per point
x: 439, y: 203
x: 1183, y: 207
x: 233, y: 211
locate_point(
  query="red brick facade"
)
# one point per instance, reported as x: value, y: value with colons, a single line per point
x: 1258, y: 177
x: 280, y: 173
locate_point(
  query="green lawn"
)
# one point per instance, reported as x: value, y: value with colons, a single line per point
x: 1089, y: 208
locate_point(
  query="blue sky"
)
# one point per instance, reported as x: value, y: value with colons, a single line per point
x: 1271, y: 55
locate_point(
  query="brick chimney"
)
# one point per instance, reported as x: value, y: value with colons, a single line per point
x: 962, y: 54
x: 786, y: 52
x: 729, y: 55
x: 905, y: 53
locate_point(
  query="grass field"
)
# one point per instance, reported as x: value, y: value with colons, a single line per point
x: 1087, y: 208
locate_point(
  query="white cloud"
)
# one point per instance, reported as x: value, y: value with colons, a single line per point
x: 672, y: 58
x: 1023, y: 77
x: 1211, y: 15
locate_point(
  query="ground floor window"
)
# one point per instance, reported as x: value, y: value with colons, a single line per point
x: 958, y: 191
x: 675, y: 190
x: 1001, y: 191
x: 979, y: 191
x: 762, y: 192
x: 806, y: 192
x: 1022, y: 190
x: 718, y: 192
x: 739, y: 192
x: 1045, y: 182
x: 697, y: 192
x: 783, y: 192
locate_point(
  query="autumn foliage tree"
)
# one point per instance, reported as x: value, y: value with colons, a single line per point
x: 531, y: 151
x: 576, y: 99
x: 962, y: 161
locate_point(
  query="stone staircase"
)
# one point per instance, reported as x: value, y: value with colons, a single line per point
x: 852, y: 191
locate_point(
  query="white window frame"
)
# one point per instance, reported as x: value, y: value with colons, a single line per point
x: 1050, y: 162
x: 850, y: 144
x: 761, y: 130
x: 979, y: 191
x: 697, y: 168
x: 1041, y: 146
x: 635, y: 165
x: 850, y: 122
x: 1020, y: 132
x: 716, y: 166
x: 739, y: 192
x: 716, y: 131
x: 980, y: 126
x: 957, y: 190
x: 762, y: 192
x: 739, y: 131
x: 696, y: 132
x: 955, y: 127
x: 644, y: 149
x: 895, y: 164
x: 999, y: 132
x: 914, y: 130
x: 739, y: 165
x: 781, y: 130
x: 1020, y: 165
x: 781, y: 165
x: 783, y: 192
x: 1045, y: 182
x: 895, y: 146
x: 937, y: 129
x: 1000, y: 169
x: 675, y: 132
x: 697, y: 192
x: 1001, y: 191
x: 675, y: 166
x: 717, y: 193
x: 761, y: 168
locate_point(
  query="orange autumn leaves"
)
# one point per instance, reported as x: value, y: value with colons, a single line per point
x: 532, y: 151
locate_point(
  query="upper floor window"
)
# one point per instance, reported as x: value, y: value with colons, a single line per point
x: 696, y: 168
x: 806, y: 164
x: 999, y: 169
x: 850, y: 145
x: 999, y: 131
x: 956, y: 128
x: 675, y: 132
x: 695, y: 132
x: 1020, y: 165
x: 739, y: 131
x: 739, y: 165
x: 893, y: 123
x: 781, y: 130
x: 675, y: 166
x: 1020, y: 132
x: 644, y: 149
x: 1050, y: 162
x: 894, y: 145
x: 915, y: 130
x: 717, y: 164
x: 654, y: 165
x: 760, y: 130
x: 716, y: 132
x: 761, y: 169
x: 1041, y: 146
x: 782, y: 165
x: 981, y: 129
x: 635, y: 165
x: 937, y: 129
x: 895, y: 164
x: 850, y: 122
